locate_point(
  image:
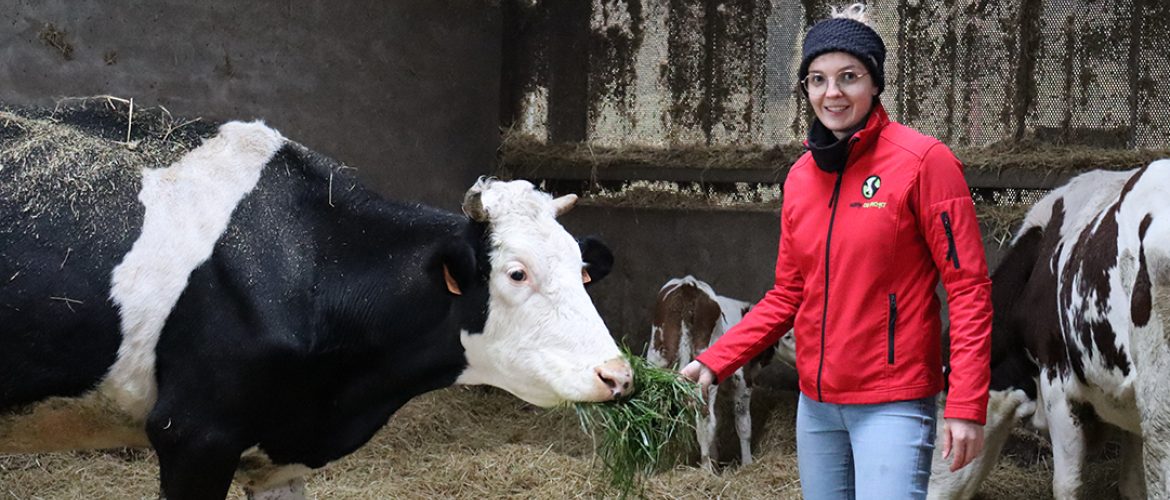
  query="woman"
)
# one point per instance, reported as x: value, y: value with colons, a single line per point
x: 874, y: 215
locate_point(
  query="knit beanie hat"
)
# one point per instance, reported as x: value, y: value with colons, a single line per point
x: 842, y: 34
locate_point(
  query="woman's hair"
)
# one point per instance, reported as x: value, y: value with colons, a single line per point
x: 855, y: 12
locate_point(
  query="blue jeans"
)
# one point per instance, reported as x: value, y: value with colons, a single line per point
x: 872, y: 451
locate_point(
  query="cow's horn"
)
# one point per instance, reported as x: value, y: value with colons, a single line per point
x: 473, y: 205
x: 564, y: 203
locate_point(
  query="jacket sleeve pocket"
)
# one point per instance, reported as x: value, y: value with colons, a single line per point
x: 952, y: 250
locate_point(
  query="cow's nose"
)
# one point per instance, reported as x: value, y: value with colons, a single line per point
x: 617, y: 375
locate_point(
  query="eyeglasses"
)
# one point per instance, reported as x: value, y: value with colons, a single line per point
x: 818, y: 83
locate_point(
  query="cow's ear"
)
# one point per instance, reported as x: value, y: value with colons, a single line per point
x: 452, y: 285
x: 598, y: 259
x: 457, y: 260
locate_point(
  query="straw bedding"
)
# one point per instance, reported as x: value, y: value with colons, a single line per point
x: 479, y: 443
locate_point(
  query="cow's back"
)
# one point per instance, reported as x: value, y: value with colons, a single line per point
x: 68, y: 214
x: 687, y: 316
x: 271, y: 314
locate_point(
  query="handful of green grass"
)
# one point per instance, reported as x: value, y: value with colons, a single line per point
x: 646, y: 433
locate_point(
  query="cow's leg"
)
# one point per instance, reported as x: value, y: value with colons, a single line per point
x: 705, y: 429
x: 292, y: 490
x: 1153, y: 406
x: 264, y: 480
x: 195, y: 471
x: 1004, y: 410
x: 1150, y: 341
x: 1132, y: 483
x: 1068, y: 441
x: 743, y: 417
x: 195, y: 461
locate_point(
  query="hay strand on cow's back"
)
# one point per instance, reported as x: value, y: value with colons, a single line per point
x: 649, y: 432
x: 58, y: 161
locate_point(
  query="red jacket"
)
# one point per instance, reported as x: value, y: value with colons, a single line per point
x: 857, y: 278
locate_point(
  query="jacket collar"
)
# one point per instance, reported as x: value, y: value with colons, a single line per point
x: 832, y: 155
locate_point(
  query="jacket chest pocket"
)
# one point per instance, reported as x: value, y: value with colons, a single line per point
x: 893, y: 321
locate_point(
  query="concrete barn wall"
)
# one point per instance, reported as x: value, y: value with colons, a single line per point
x: 733, y: 251
x: 406, y: 91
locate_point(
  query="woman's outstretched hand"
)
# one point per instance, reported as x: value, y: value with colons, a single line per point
x: 699, y: 372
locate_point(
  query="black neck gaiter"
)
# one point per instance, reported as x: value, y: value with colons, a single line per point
x: 829, y: 152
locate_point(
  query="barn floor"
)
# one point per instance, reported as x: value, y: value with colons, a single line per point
x: 477, y: 443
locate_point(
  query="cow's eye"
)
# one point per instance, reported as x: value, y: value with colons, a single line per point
x: 518, y: 275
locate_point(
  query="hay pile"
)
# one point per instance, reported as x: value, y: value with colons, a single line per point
x: 88, y: 146
x: 81, y: 159
x: 648, y: 432
x: 1000, y: 221
x: 475, y: 443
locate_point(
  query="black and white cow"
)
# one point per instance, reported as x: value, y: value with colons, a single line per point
x: 688, y: 317
x: 1080, y: 337
x: 252, y: 299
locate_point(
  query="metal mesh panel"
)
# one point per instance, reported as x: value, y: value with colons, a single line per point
x: 970, y: 72
x: 1003, y: 197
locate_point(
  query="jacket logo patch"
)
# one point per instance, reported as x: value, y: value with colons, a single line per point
x: 871, y: 186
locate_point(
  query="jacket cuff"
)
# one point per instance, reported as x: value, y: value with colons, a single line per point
x: 975, y: 414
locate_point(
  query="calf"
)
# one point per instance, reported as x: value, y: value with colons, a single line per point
x: 688, y: 318
x: 1082, y: 300
x: 243, y: 295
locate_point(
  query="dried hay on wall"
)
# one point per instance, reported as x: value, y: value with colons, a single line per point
x: 1036, y: 156
x: 522, y: 152
x: 672, y: 195
x: 1000, y: 221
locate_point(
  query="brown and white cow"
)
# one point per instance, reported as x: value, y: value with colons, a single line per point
x: 1082, y: 301
x: 688, y: 317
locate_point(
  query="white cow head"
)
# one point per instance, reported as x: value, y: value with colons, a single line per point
x: 543, y: 339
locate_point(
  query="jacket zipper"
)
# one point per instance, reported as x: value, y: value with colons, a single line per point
x: 828, y: 241
x: 825, y: 310
x: 893, y: 321
x: 952, y: 250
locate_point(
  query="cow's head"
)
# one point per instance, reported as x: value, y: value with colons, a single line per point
x: 541, y: 338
